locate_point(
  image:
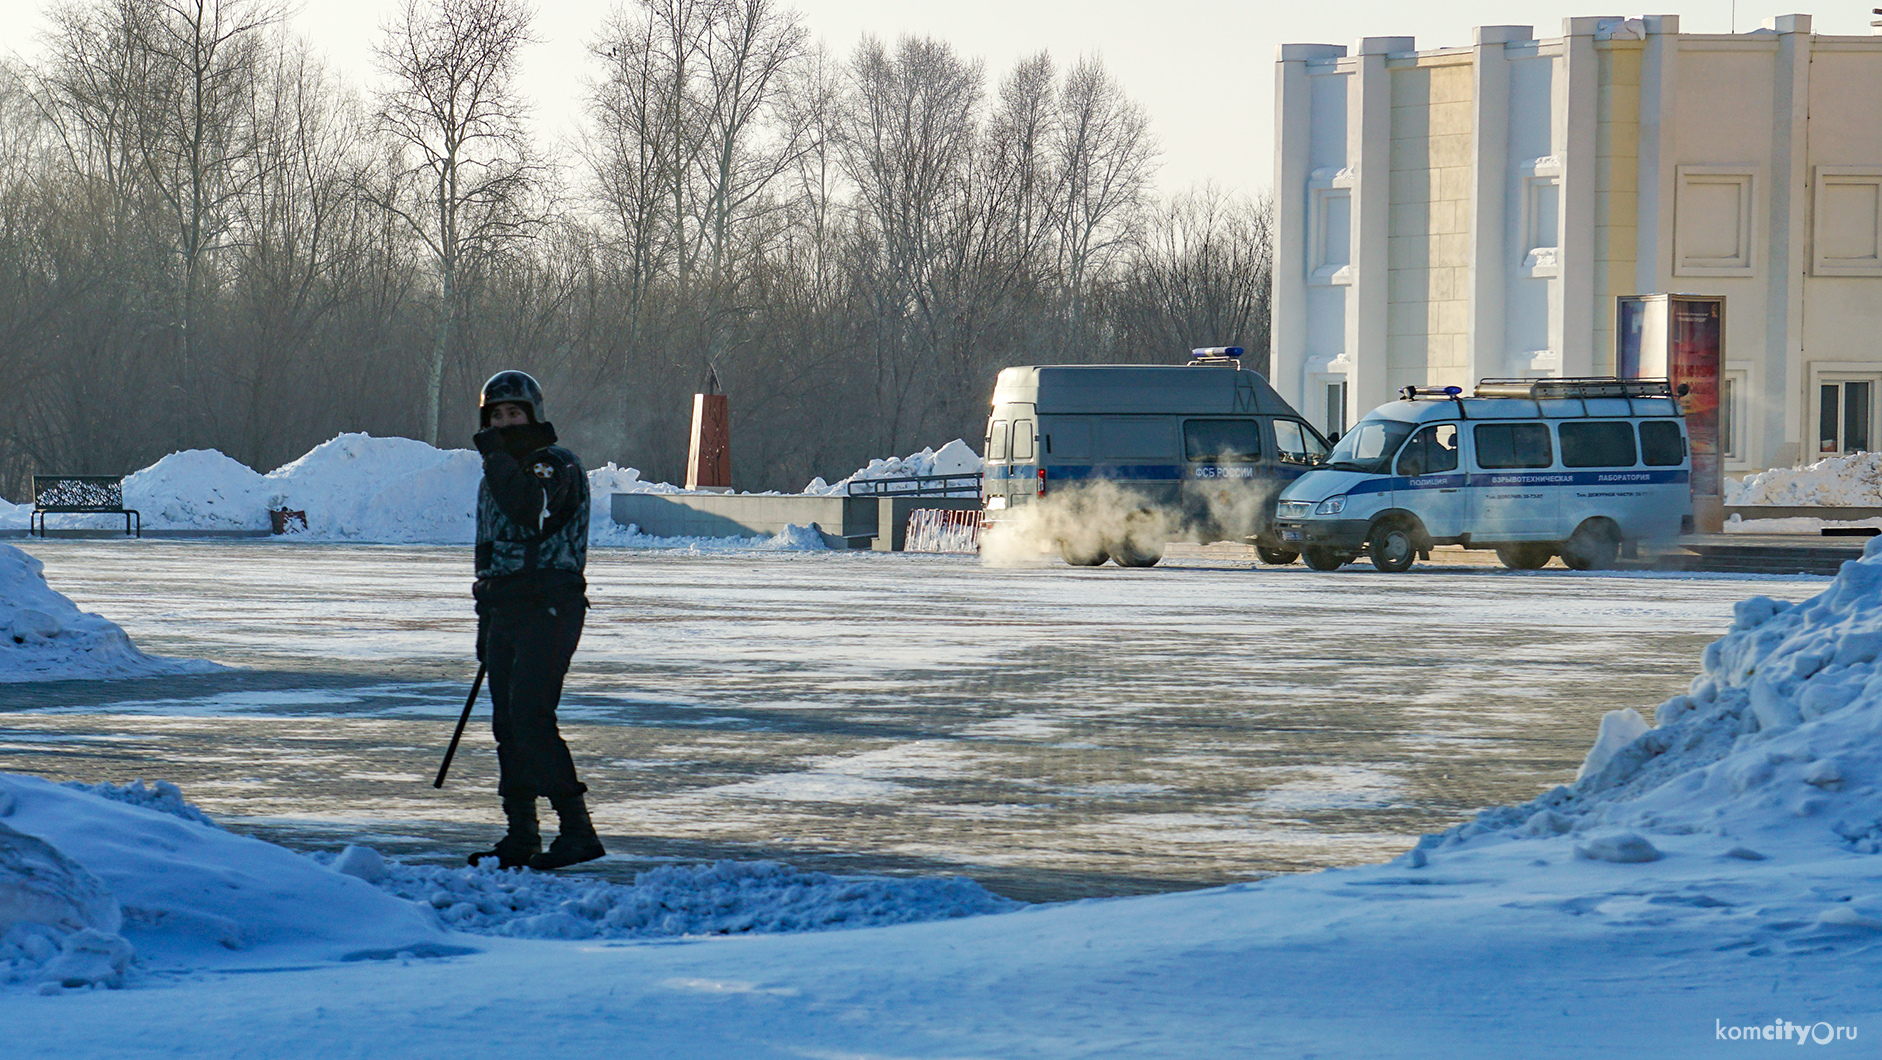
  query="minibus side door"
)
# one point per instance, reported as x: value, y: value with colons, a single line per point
x: 1514, y: 481
x: 1430, y: 481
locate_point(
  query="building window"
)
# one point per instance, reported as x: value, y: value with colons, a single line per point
x: 1332, y: 235
x: 1336, y: 409
x: 1847, y: 236
x: 1733, y: 419
x: 1845, y: 415
x: 1712, y: 221
x: 1542, y: 222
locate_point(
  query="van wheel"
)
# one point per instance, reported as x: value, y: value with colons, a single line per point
x: 1525, y: 557
x: 1127, y: 555
x: 1275, y: 557
x: 1594, y: 545
x: 1141, y: 544
x: 1322, y: 558
x: 1082, y: 555
x: 1392, y: 549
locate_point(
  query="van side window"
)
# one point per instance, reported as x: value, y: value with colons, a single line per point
x: 1022, y: 440
x: 996, y: 440
x: 1295, y: 443
x: 1228, y: 441
x: 1430, y: 451
x: 1598, y: 443
x: 1661, y: 444
x: 1501, y: 445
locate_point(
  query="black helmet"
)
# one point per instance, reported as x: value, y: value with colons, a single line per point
x: 513, y: 387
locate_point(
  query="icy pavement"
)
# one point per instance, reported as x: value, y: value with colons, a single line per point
x: 1050, y: 732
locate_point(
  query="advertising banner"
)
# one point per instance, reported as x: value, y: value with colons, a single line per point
x: 1695, y: 336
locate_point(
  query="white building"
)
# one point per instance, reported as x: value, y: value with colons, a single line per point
x: 1452, y: 214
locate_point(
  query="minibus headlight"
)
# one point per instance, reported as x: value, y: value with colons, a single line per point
x: 1331, y: 506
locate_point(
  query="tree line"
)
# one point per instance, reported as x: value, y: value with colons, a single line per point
x: 208, y: 239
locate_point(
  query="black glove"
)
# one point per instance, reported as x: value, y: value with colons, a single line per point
x: 489, y: 440
x: 483, y: 636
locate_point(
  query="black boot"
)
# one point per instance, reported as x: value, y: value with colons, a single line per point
x: 575, y: 842
x: 522, y: 842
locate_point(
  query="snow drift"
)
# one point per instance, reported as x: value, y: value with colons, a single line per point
x: 1776, y: 747
x: 1854, y: 480
x: 363, y: 489
x: 954, y: 458
x: 91, y: 877
x: 45, y: 637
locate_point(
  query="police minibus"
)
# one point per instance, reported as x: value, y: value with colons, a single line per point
x: 1193, y: 452
x: 1533, y: 468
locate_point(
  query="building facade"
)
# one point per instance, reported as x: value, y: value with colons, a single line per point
x: 1447, y: 215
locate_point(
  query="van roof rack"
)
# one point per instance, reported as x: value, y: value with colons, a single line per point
x: 1598, y: 386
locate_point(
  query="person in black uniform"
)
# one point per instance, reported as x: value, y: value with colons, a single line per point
x: 532, y: 547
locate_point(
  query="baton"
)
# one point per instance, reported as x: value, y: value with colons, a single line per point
x: 463, y: 720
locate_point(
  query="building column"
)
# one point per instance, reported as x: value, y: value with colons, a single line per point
x: 1489, y: 197
x: 1293, y: 244
x: 1576, y: 113
x: 1659, y: 84
x: 1779, y: 420
x: 1369, y: 153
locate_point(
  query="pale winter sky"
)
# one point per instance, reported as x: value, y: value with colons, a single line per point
x: 1203, y: 68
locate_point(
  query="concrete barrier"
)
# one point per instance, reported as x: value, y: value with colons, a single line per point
x: 845, y: 521
x: 1799, y: 511
x: 880, y: 522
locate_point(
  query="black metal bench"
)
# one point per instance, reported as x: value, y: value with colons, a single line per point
x: 80, y: 495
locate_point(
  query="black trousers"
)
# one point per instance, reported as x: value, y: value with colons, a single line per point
x: 527, y: 649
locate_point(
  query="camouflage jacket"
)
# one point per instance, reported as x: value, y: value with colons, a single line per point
x: 532, y: 521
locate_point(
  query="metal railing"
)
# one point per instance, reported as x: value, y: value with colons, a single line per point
x: 918, y: 486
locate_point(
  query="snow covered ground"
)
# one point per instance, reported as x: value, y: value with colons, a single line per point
x: 1709, y: 886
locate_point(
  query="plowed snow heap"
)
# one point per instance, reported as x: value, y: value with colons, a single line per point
x: 1776, y: 747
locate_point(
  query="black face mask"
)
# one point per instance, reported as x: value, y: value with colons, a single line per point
x: 525, y: 438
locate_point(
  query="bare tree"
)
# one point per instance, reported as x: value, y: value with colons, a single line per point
x: 1106, y: 159
x: 470, y: 176
x: 1202, y: 276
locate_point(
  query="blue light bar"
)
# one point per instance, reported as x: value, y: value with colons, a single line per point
x: 1217, y: 351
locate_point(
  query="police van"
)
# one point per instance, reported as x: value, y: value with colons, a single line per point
x: 1129, y: 457
x: 1533, y: 468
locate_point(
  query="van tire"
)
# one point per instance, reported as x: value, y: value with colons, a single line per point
x: 1127, y: 556
x: 1393, y: 548
x: 1527, y: 556
x: 1140, y: 545
x: 1072, y: 554
x: 1322, y: 558
x: 1594, y: 545
x: 1275, y: 557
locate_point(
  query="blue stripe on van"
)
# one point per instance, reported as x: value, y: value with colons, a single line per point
x: 1150, y: 472
x: 1494, y: 479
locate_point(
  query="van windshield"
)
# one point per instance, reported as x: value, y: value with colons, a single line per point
x: 1369, y: 446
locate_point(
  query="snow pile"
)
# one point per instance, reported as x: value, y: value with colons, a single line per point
x: 728, y: 898
x: 954, y: 458
x: 45, y: 637
x: 164, y: 797
x: 1777, y: 746
x: 386, y: 490
x: 1854, y: 481
x: 84, y: 878
x: 198, y: 489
